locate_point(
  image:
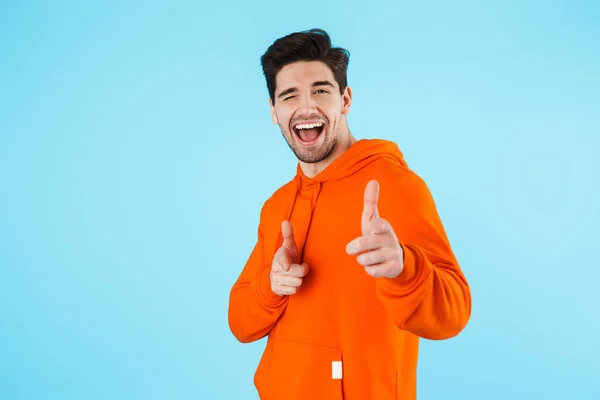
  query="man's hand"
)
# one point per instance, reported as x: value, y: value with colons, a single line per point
x: 378, y: 247
x: 286, y: 274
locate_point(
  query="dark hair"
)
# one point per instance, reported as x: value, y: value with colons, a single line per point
x: 310, y: 45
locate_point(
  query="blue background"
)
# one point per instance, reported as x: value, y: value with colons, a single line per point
x: 136, y: 149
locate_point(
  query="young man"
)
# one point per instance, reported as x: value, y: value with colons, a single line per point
x: 352, y: 264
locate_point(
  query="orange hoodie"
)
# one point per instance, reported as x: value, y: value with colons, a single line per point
x: 344, y: 334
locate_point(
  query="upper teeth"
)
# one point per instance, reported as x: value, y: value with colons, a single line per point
x: 309, y: 126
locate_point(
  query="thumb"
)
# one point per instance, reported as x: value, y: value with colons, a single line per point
x: 370, y: 211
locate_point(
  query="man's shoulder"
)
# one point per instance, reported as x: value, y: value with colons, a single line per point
x: 402, y: 189
x: 279, y: 199
x: 399, y: 184
x: 392, y: 170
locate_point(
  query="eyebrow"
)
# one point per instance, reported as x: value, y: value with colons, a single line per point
x: 293, y: 89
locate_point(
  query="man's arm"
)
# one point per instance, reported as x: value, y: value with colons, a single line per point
x: 253, y: 307
x: 418, y: 278
x: 430, y: 297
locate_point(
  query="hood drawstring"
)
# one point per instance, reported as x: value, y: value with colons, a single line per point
x: 306, y: 190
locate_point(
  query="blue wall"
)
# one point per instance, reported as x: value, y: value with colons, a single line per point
x: 136, y: 149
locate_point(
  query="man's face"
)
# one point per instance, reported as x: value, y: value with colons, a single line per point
x: 309, y: 109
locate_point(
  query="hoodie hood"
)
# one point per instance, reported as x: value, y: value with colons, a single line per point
x: 361, y: 153
x: 304, y: 191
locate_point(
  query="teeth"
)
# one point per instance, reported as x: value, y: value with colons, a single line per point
x: 309, y: 126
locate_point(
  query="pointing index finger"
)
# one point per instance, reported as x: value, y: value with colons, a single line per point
x: 370, y: 202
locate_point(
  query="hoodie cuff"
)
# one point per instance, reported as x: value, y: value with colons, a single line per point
x: 412, y: 270
x: 263, y: 289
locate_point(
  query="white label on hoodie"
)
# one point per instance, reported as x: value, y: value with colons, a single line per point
x: 336, y: 370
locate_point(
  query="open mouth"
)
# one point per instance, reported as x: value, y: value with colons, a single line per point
x: 309, y: 133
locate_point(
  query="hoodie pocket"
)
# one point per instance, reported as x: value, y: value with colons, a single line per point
x: 292, y: 370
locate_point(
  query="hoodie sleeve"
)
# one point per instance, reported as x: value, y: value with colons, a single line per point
x: 431, y: 297
x: 253, y: 307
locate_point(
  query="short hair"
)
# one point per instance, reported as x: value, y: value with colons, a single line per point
x: 309, y: 45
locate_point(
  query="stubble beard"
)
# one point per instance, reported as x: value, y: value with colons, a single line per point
x: 311, y: 156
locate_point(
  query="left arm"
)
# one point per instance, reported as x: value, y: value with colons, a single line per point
x: 418, y: 278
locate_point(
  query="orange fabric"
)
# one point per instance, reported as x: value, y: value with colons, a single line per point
x: 340, y: 313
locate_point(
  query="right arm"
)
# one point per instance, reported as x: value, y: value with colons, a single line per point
x: 253, y: 306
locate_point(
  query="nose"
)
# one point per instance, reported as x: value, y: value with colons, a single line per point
x: 307, y: 104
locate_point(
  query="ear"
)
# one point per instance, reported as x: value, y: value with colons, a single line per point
x: 273, y: 114
x: 346, y: 100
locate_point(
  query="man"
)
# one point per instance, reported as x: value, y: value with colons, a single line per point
x: 352, y: 264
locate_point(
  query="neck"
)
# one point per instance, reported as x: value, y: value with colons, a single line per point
x: 313, y: 169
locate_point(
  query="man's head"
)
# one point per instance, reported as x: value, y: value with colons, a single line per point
x: 309, y: 95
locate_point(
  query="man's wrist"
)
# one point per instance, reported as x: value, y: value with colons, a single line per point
x: 264, y: 290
